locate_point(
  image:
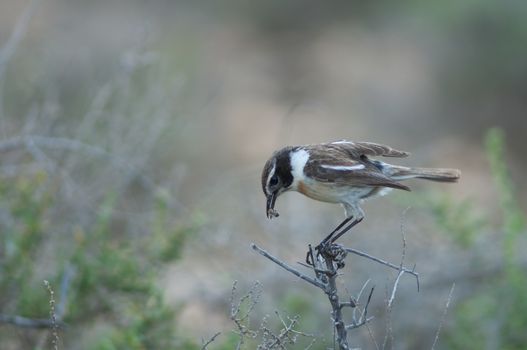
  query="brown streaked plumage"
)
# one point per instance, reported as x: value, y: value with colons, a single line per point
x: 341, y: 172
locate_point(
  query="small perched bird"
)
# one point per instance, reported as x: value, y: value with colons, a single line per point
x: 340, y: 172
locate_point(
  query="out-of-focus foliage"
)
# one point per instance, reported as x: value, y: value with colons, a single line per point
x: 110, y: 276
x: 495, y: 315
x: 20, y: 243
x: 513, y: 218
x: 456, y: 219
x: 81, y: 207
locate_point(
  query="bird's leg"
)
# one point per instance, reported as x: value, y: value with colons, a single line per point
x: 328, y: 237
x: 333, y: 236
x: 345, y: 229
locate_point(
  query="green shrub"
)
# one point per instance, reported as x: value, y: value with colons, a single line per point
x: 495, y: 315
x: 114, y: 278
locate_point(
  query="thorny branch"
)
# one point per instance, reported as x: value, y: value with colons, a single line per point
x: 287, y: 335
x: 212, y: 339
x: 386, y: 263
x: 363, y: 318
x: 325, y: 268
x: 325, y: 265
x: 295, y: 272
x: 399, y: 267
x: 436, y: 338
x: 402, y: 271
x: 241, y: 309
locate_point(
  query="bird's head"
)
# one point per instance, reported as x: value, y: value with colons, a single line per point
x: 276, y: 178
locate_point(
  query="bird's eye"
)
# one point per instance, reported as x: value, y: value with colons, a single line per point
x: 273, y: 181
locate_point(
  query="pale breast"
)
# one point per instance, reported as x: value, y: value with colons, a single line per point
x: 330, y: 192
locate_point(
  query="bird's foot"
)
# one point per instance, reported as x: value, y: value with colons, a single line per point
x: 326, y: 253
x: 328, y: 250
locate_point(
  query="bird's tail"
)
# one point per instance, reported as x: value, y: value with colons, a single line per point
x: 434, y: 174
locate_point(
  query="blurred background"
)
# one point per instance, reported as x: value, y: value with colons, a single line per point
x: 133, y: 133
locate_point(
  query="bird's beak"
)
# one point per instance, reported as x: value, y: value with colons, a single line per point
x: 271, y: 199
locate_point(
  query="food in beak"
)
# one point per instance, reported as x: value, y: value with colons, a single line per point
x: 271, y: 212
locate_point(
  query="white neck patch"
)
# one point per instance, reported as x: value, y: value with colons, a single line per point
x: 299, y: 159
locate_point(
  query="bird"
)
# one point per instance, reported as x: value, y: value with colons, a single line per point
x: 342, y: 172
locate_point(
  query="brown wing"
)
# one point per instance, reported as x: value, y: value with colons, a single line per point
x: 369, y: 177
x: 357, y: 149
x: 343, y: 165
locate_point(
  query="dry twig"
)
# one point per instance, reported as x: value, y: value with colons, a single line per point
x: 239, y: 316
x: 25, y: 322
x: 241, y: 309
x: 210, y: 341
x: 386, y: 263
x: 402, y: 271
x: 53, y: 316
x: 436, y: 338
x: 288, y: 335
x: 295, y: 272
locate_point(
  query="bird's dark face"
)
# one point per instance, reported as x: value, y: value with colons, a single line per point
x: 276, y: 178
